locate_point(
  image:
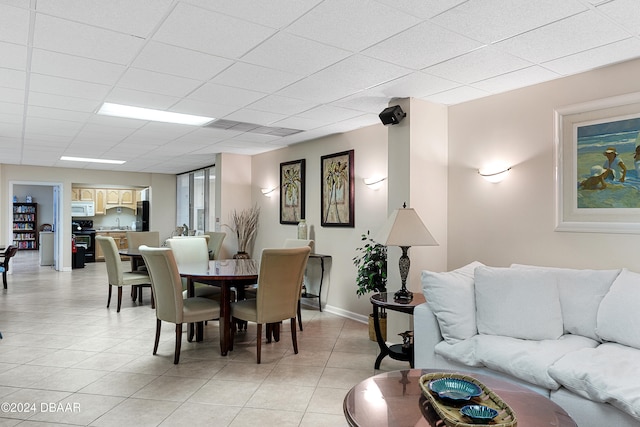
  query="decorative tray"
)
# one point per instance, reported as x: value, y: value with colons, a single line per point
x: 449, y: 410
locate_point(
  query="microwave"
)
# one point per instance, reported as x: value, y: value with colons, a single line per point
x: 82, y: 209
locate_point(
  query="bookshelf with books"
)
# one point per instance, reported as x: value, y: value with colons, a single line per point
x: 25, y: 217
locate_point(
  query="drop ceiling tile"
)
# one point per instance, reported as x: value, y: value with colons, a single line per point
x: 67, y: 87
x: 351, y: 24
x: 416, y: 84
x: 54, y: 127
x: 423, y: 45
x: 11, y: 119
x: 329, y: 114
x: 353, y: 123
x: 361, y: 72
x: 106, y: 131
x: 163, y: 84
x: 624, y: 12
x: 11, y: 108
x: 254, y: 116
x: 566, y: 37
x: 517, y: 79
x: 282, y: 105
x: 12, y: 78
x: 73, y: 67
x: 369, y: 101
x: 11, y: 130
x: 130, y: 17
x: 478, y: 65
x: 255, y: 77
x: 181, y: 62
x: 422, y: 9
x: 58, y: 114
x: 289, y: 52
x: 202, y: 108
x: 274, y: 13
x: 120, y: 95
x: 199, y: 29
x: 457, y: 95
x: 255, y: 138
x: 496, y: 20
x: 14, y: 24
x: 301, y: 123
x: 13, y: 56
x: 63, y: 102
x: 14, y: 96
x: 225, y: 95
x: 318, y: 90
x: 64, y: 36
x: 38, y: 136
x: 594, y: 58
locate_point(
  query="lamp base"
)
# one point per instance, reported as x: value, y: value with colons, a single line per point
x: 403, y: 295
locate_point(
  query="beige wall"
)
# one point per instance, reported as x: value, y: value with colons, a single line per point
x: 513, y: 221
x: 162, y: 207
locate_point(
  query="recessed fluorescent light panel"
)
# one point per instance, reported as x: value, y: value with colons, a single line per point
x: 86, y: 159
x: 118, y: 110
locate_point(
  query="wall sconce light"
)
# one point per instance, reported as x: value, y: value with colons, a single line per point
x: 493, y: 175
x: 374, y: 182
x: 267, y: 192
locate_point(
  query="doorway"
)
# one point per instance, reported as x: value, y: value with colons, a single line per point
x: 47, y: 196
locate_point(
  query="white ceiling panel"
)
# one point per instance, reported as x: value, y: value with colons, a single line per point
x: 578, y: 33
x: 60, y: 35
x: 180, y: 62
x: 321, y: 66
x: 199, y: 29
x: 352, y: 24
x: 292, y: 53
x: 137, y: 17
x: 255, y: 77
x: 496, y: 20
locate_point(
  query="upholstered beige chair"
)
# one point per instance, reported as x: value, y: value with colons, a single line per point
x: 135, y: 239
x: 170, y: 305
x: 9, y: 253
x: 192, y: 253
x: 278, y: 294
x: 215, y: 243
x: 117, y: 276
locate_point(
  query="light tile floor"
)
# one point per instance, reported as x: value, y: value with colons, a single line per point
x: 66, y: 359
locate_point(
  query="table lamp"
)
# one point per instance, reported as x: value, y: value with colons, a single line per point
x: 404, y: 228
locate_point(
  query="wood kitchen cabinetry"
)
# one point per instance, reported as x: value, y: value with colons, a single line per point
x: 120, y: 237
x: 121, y: 197
x: 105, y: 198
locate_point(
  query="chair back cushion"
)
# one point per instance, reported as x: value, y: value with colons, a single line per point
x: 215, y: 243
x: 280, y: 283
x: 191, y: 253
x: 148, y: 238
x: 298, y: 243
x: 165, y: 281
x: 112, y: 259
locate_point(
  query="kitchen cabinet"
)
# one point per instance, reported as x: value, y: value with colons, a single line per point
x: 75, y: 194
x: 121, y: 197
x: 79, y: 194
x: 25, y: 219
x: 120, y: 237
x: 101, y: 201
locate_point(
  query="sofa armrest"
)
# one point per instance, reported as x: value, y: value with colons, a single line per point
x: 426, y: 334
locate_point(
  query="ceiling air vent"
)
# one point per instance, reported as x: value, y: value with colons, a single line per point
x: 251, y: 127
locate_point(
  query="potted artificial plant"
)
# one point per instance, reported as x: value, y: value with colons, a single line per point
x: 372, y: 277
x: 245, y: 228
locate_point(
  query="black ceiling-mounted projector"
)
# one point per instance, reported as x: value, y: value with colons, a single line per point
x: 392, y: 115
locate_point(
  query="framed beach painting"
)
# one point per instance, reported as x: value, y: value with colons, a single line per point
x: 292, y: 197
x: 598, y: 166
x: 337, y: 190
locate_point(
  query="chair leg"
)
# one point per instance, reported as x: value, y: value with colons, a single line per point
x: 140, y: 294
x: 269, y: 332
x: 4, y: 278
x: 119, y: 298
x: 176, y: 357
x: 294, y: 338
x: 234, y: 327
x: 158, y: 327
x: 299, y: 316
x: 259, y: 342
x: 109, y: 299
x: 153, y: 301
x: 134, y: 293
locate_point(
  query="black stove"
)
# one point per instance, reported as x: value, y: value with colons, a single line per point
x: 85, y: 236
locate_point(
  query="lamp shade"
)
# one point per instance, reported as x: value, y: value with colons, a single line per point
x: 405, y: 228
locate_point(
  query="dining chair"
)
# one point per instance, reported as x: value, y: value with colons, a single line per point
x: 192, y: 253
x: 134, y: 240
x: 215, y: 243
x: 170, y: 304
x: 278, y: 293
x: 117, y: 276
x: 9, y: 253
x: 299, y: 243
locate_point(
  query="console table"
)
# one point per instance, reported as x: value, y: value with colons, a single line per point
x: 305, y: 294
x: 385, y: 300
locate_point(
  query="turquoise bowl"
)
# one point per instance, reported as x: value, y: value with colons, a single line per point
x: 479, y: 414
x: 454, y: 388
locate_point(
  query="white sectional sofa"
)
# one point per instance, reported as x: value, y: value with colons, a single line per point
x: 571, y: 335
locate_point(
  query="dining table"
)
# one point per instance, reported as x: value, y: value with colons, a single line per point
x: 225, y: 274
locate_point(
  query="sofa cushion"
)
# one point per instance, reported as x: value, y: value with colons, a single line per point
x: 525, y: 359
x: 462, y: 352
x: 608, y: 373
x: 618, y: 315
x: 451, y: 297
x: 517, y: 303
x: 581, y: 292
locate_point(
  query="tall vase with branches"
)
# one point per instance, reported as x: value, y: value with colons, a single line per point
x: 245, y: 228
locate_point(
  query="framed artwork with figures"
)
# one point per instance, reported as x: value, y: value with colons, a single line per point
x: 337, y: 190
x: 292, y: 194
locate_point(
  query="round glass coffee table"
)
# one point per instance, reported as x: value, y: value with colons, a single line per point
x: 394, y: 399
